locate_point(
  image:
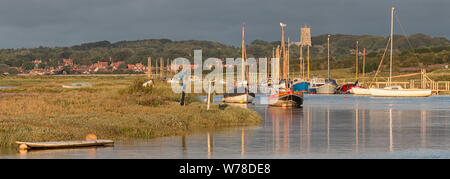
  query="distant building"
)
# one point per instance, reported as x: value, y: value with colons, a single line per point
x: 115, y: 65
x: 68, y: 62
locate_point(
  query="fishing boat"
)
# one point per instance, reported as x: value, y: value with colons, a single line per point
x: 240, y: 93
x: 286, y: 98
x: 78, y: 85
x: 283, y: 95
x: 397, y: 91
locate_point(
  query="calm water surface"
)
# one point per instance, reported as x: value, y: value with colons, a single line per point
x: 328, y: 126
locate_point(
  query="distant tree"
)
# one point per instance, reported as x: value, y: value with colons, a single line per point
x: 3, y: 68
x: 13, y: 71
x: 27, y: 66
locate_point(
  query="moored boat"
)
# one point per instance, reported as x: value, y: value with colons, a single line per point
x: 300, y: 85
x: 328, y: 88
x: 346, y: 88
x: 236, y: 96
x: 286, y: 98
x: 358, y: 90
x: 65, y: 144
x: 398, y: 91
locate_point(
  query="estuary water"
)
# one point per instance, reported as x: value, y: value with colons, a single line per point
x: 327, y: 126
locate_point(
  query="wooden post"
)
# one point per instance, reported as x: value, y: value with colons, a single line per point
x: 209, y: 95
x: 268, y: 67
x: 161, y: 67
x: 149, y: 68
x: 364, y: 65
x: 156, y: 68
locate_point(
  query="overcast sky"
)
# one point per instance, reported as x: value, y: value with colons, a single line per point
x: 32, y: 23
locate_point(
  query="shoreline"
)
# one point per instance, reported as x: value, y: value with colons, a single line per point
x: 55, y: 114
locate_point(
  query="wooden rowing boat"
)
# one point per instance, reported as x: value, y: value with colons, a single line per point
x: 66, y: 144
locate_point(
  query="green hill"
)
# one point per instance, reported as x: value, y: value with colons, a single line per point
x: 432, y: 49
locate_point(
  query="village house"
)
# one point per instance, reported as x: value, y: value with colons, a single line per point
x: 99, y: 66
x: 139, y: 67
x: 115, y: 65
x: 68, y: 62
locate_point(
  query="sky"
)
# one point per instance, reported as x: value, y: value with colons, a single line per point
x: 33, y: 23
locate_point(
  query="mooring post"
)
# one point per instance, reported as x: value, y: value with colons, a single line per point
x: 209, y: 95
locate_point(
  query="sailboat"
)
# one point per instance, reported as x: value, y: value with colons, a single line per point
x: 284, y: 96
x: 357, y: 89
x: 330, y: 85
x: 397, y: 91
x: 240, y: 93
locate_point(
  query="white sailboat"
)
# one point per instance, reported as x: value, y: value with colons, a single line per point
x: 358, y: 90
x: 240, y: 95
x: 397, y: 91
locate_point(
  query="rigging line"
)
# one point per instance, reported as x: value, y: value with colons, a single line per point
x: 407, y: 39
x: 381, y: 62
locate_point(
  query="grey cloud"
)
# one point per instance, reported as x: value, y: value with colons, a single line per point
x: 31, y: 23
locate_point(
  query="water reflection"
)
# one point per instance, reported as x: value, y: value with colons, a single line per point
x: 326, y: 127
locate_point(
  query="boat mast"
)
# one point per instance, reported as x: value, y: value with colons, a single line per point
x: 243, y: 55
x: 392, y: 42
x: 288, y: 58
x: 356, y: 66
x: 307, y: 56
x: 283, y: 45
x: 301, y: 63
x: 328, y: 56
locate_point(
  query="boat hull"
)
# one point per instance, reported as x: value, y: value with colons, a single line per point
x: 238, y: 98
x: 67, y: 144
x: 301, y: 86
x: 379, y: 92
x: 359, y: 91
x: 326, y: 89
x: 287, y: 99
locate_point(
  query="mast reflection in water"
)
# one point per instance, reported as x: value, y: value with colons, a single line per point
x: 328, y: 126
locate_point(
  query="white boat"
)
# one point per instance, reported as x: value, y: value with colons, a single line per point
x: 398, y: 91
x: 330, y: 85
x: 242, y: 95
x: 357, y: 90
x: 239, y: 98
x: 328, y: 88
x: 78, y: 85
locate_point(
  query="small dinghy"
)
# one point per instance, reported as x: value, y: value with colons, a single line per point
x: 63, y: 144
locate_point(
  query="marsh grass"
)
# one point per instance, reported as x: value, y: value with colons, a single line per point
x: 115, y: 108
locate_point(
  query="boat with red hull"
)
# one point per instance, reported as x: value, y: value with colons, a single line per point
x: 287, y: 98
